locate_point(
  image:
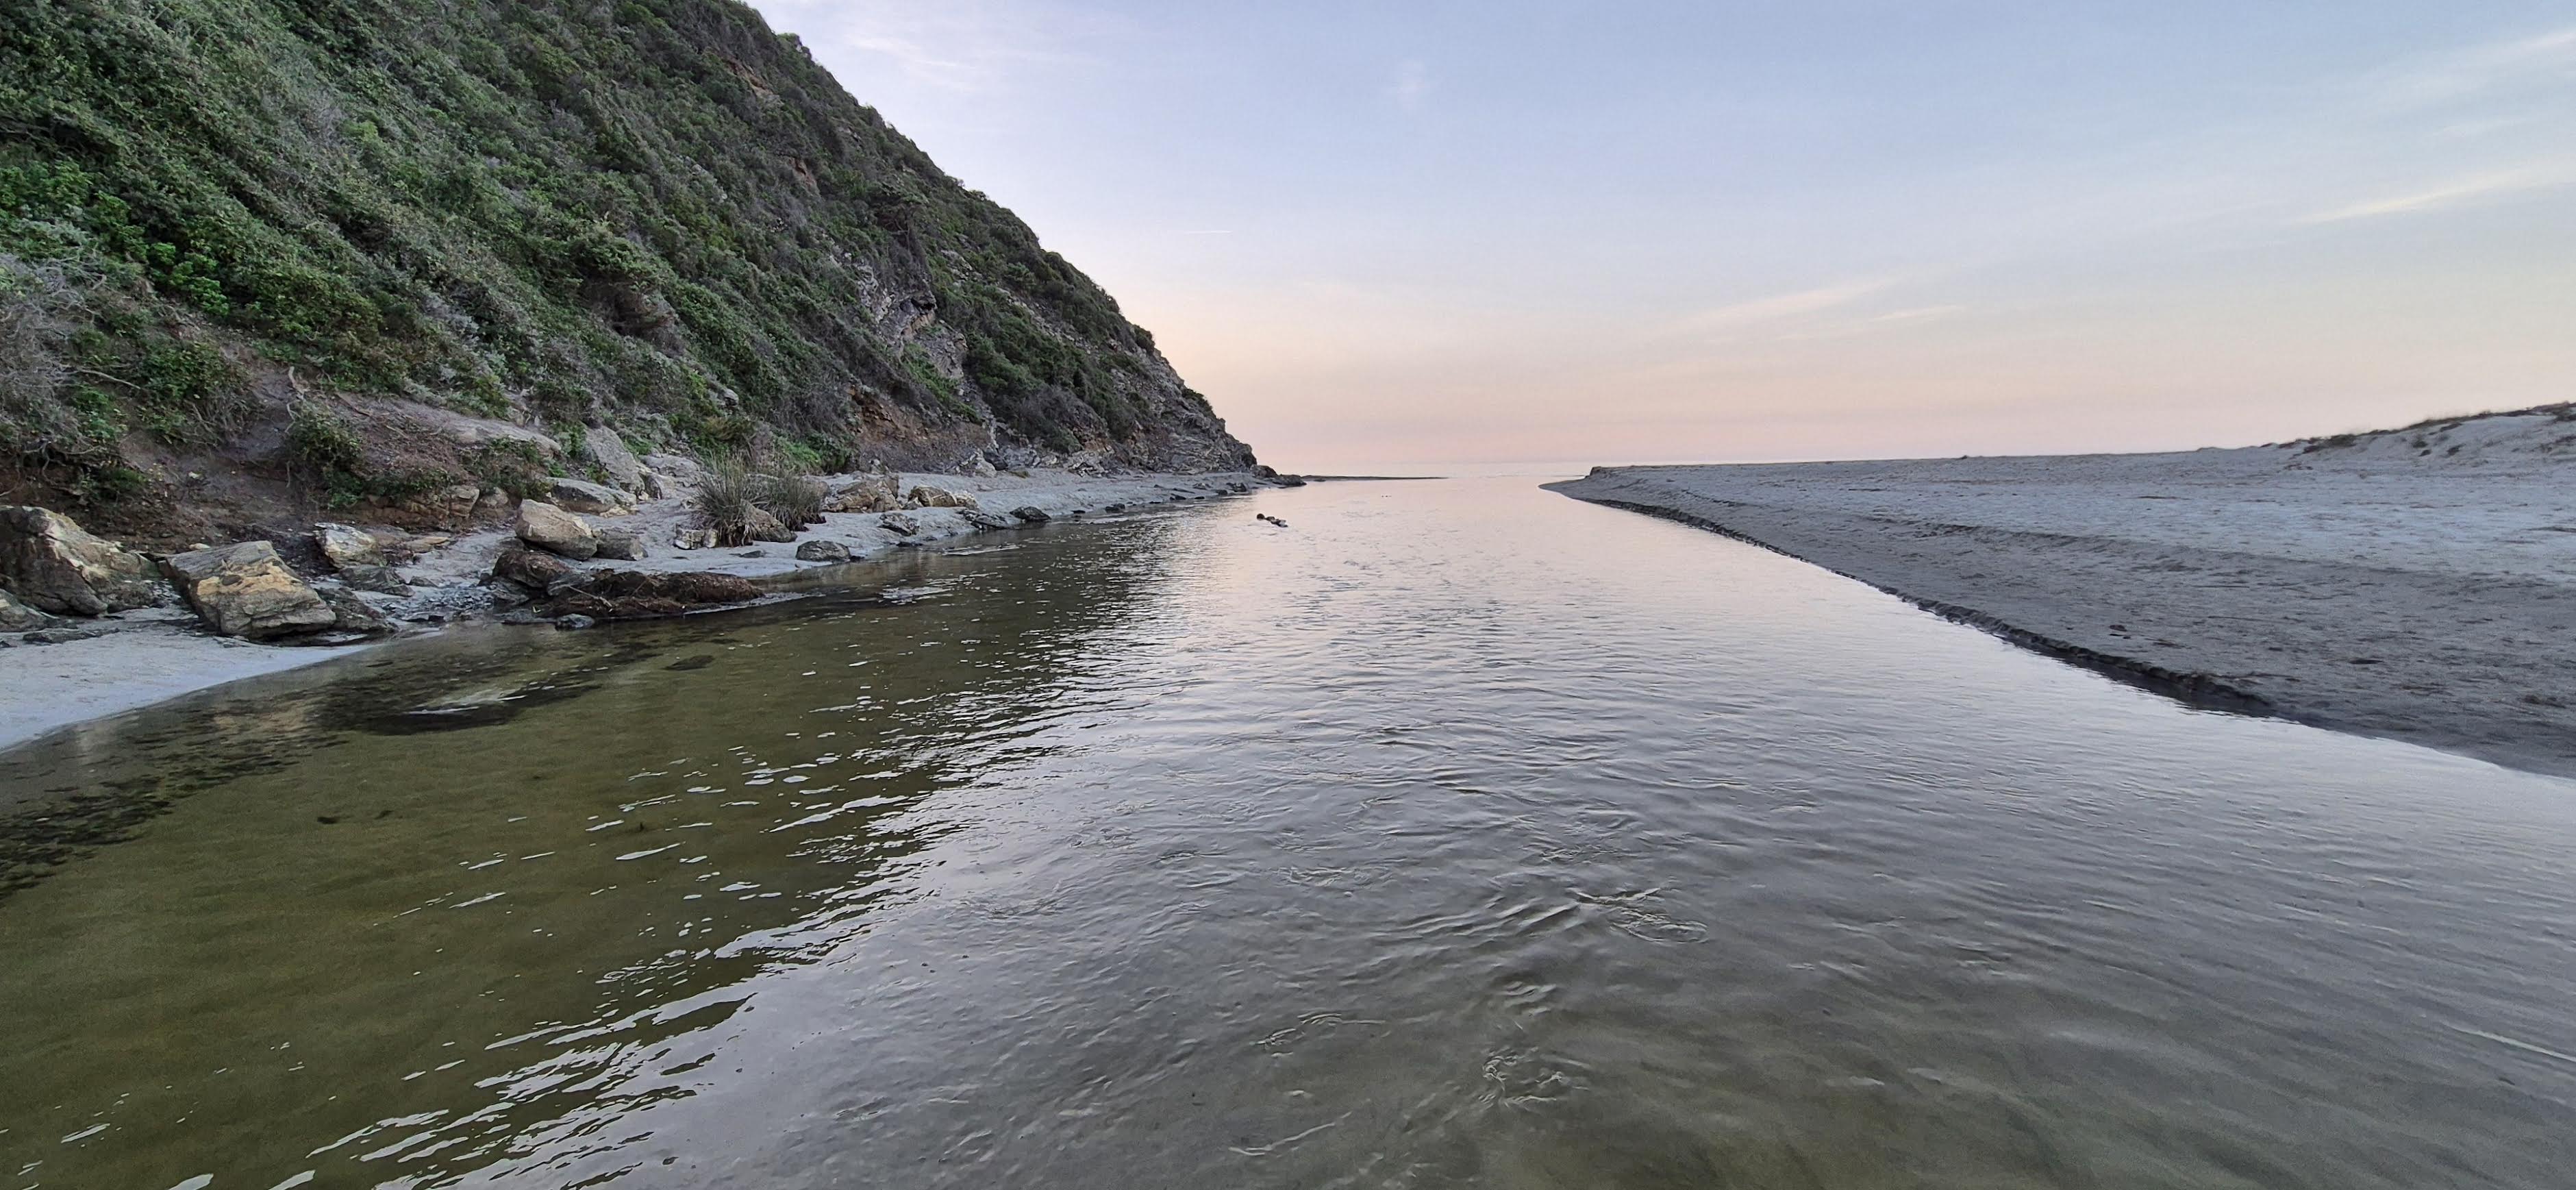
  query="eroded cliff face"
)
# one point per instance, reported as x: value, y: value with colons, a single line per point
x: 262, y: 253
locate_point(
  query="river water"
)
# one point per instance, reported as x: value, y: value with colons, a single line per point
x: 1457, y: 834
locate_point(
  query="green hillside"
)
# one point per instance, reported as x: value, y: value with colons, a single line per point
x: 652, y: 215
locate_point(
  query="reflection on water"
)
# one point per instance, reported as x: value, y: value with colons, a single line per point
x: 1458, y: 835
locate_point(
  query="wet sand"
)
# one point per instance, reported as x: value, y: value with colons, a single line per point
x: 2418, y: 584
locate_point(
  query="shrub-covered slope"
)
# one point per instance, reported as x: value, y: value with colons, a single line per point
x: 218, y: 216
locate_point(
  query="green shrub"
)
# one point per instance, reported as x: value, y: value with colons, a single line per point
x: 188, y: 393
x: 723, y: 502
x: 321, y: 443
x: 512, y: 465
x: 796, y: 500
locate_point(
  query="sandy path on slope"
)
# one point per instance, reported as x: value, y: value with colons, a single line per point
x: 2426, y: 599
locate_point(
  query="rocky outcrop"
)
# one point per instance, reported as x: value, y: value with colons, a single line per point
x: 605, y: 449
x: 759, y: 525
x: 349, y: 613
x: 537, y: 571
x: 558, y: 588
x: 448, y: 505
x: 819, y: 550
x: 347, y: 546
x: 18, y: 617
x: 555, y: 531
x: 624, y: 545
x: 638, y: 595
x: 872, y: 493
x: 51, y: 564
x: 926, y: 496
x: 246, y: 591
x: 359, y: 558
x: 575, y: 495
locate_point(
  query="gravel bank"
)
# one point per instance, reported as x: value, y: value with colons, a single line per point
x: 2418, y: 584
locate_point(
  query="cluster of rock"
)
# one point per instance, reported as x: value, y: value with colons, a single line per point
x: 51, y: 570
x: 50, y: 567
x: 550, y: 536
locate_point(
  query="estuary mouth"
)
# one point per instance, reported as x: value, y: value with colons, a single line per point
x: 1191, y: 851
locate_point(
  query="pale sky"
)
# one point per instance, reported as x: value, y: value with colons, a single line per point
x: 1762, y: 229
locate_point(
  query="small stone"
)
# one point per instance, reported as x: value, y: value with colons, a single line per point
x: 574, y: 495
x: 575, y: 623
x: 871, y: 493
x: 1032, y: 514
x: 899, y: 524
x: 552, y: 529
x: 348, y: 546
x: 621, y: 544
x: 381, y: 579
x: 61, y: 636
x: 760, y: 526
x: 694, y: 539
x: 819, y: 550
x: 984, y: 520
x: 455, y: 502
x: 927, y: 496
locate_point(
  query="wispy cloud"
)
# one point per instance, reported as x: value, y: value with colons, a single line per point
x: 2458, y: 192
x: 1412, y: 84
x: 966, y: 46
x: 919, y: 60
x: 1783, y: 306
x: 1917, y: 314
x: 2544, y: 58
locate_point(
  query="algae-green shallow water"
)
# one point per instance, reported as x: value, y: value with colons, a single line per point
x: 1456, y: 834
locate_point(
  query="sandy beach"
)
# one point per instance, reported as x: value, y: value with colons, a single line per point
x: 2418, y: 584
x: 96, y: 667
